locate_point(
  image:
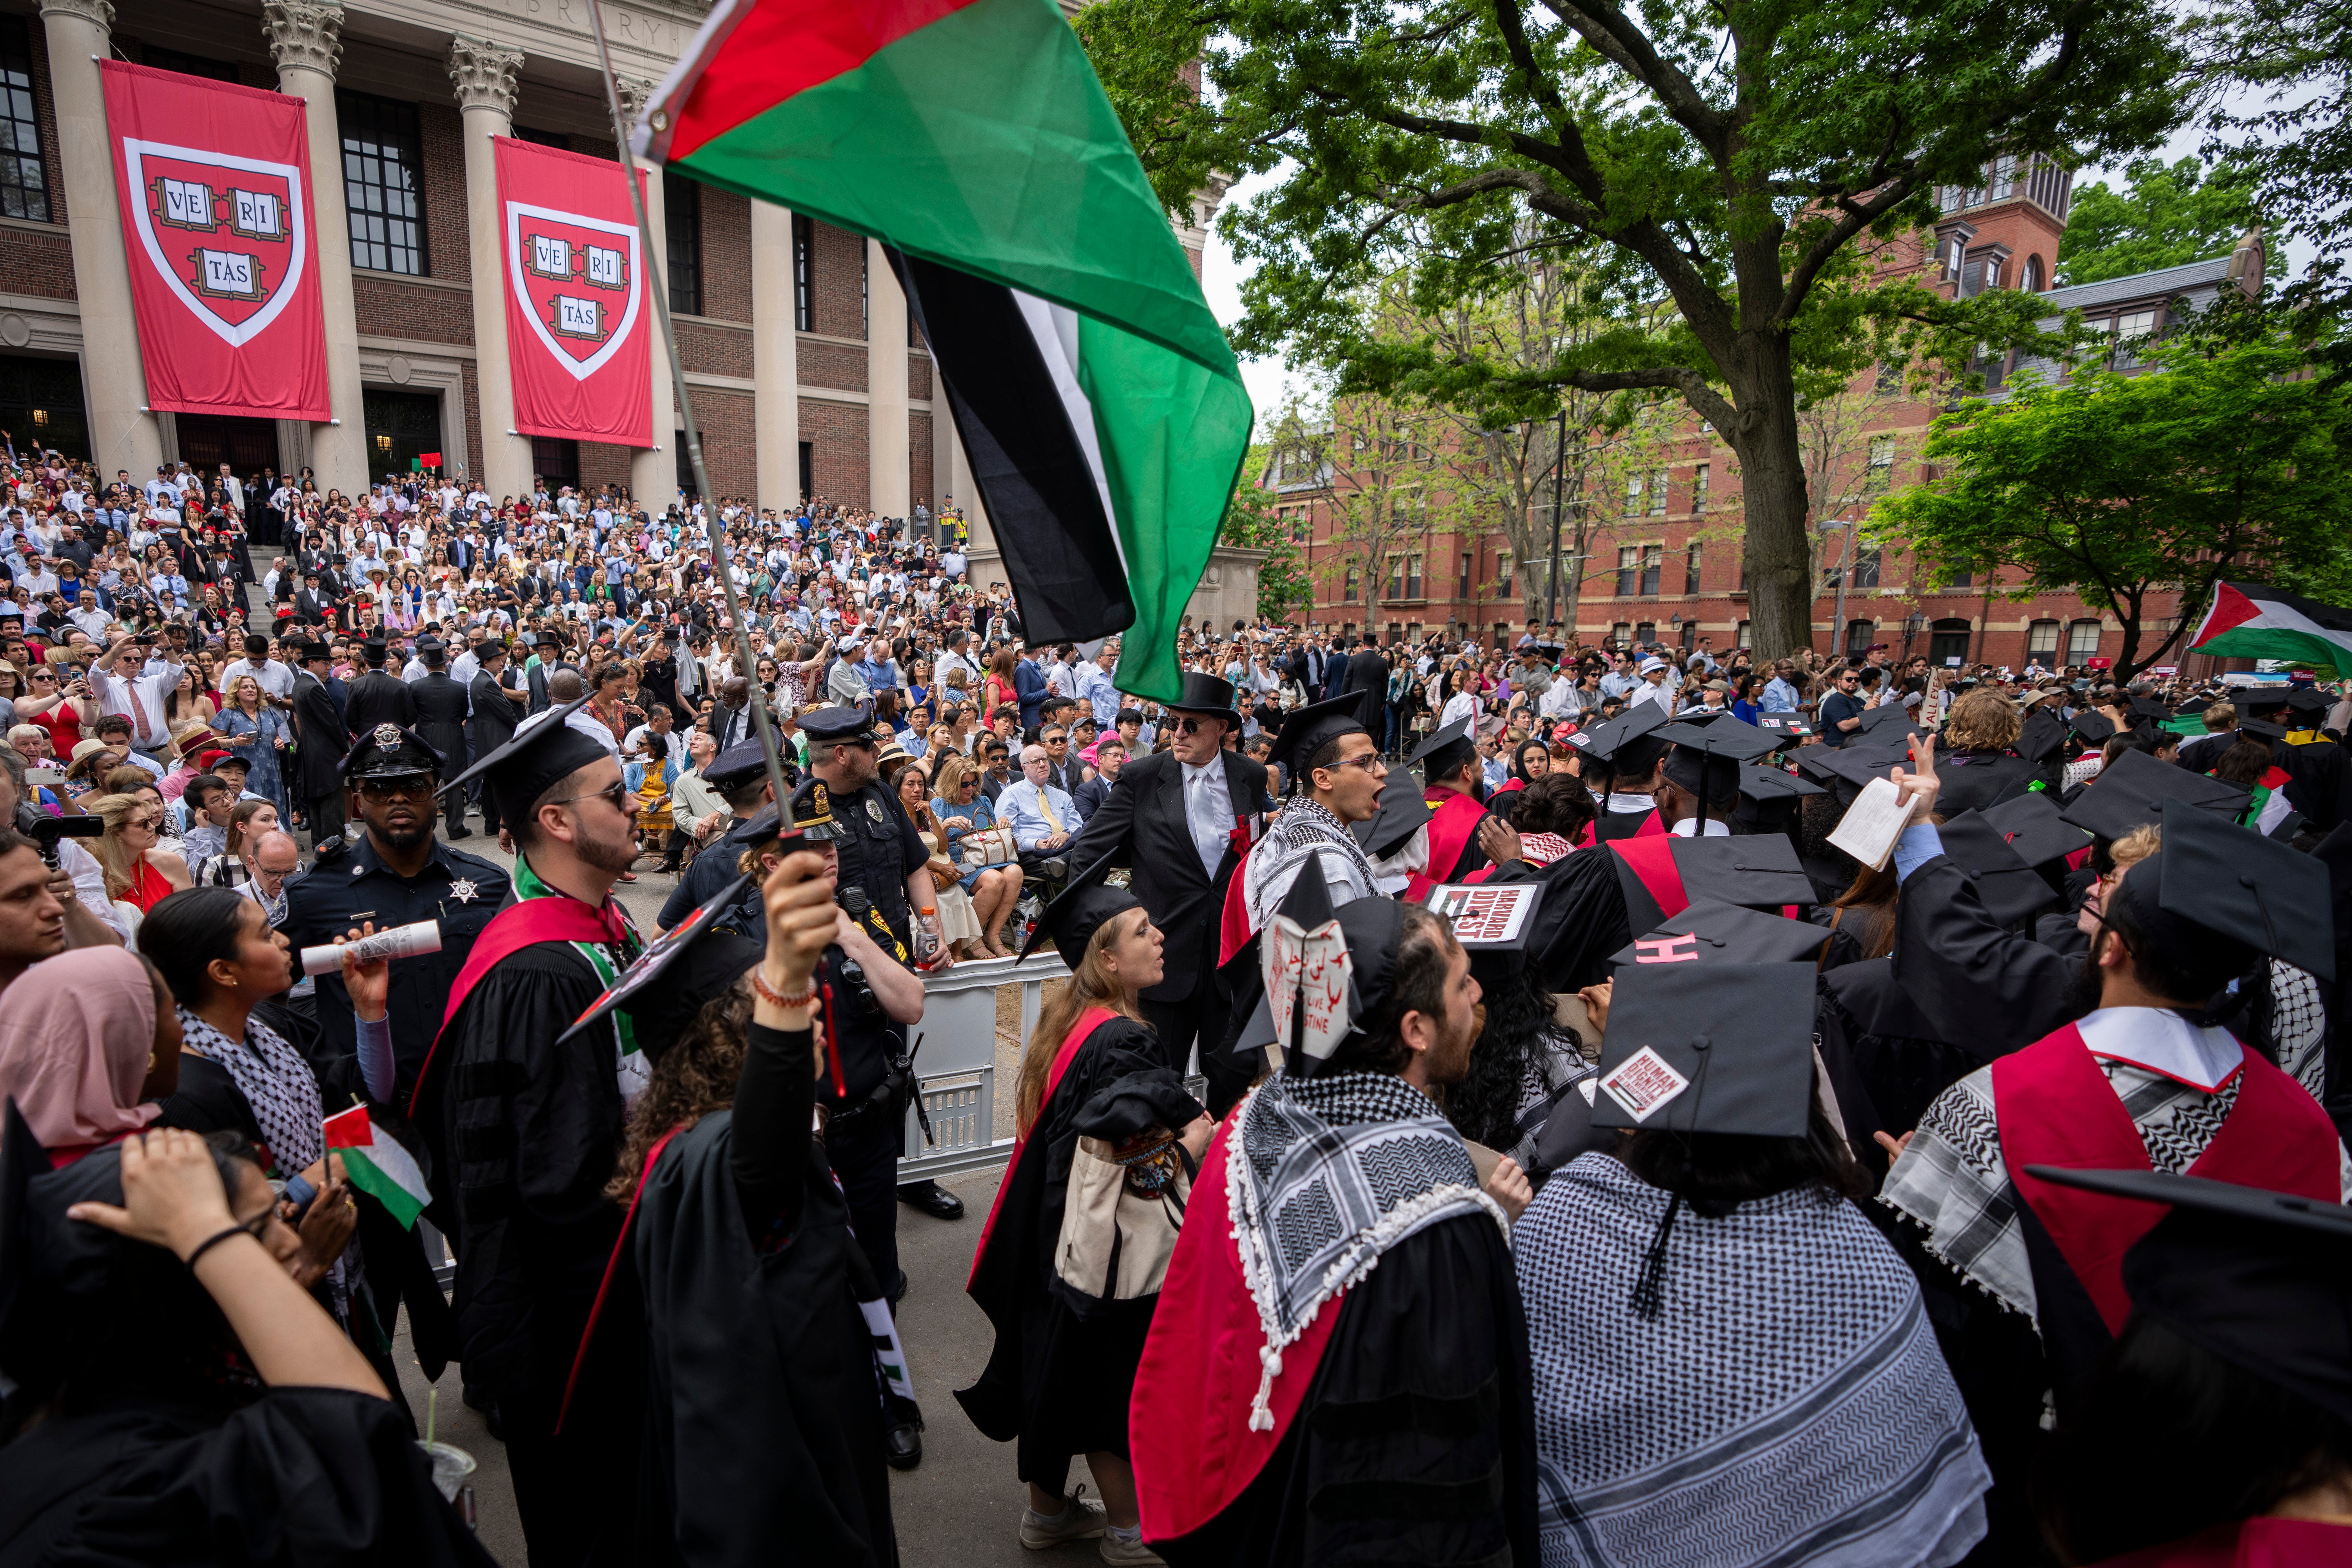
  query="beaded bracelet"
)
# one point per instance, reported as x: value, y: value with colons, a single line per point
x: 774, y: 997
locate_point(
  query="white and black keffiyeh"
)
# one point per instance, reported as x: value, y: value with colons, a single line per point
x: 1304, y: 834
x: 275, y: 1081
x: 1789, y: 1405
x: 2298, y: 1028
x: 1325, y: 1174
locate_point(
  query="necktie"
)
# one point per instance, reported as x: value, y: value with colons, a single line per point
x: 1047, y: 806
x: 139, y: 709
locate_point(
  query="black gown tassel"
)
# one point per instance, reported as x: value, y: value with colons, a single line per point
x: 1650, y: 1290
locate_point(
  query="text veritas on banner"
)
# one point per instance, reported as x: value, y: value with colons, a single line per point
x: 578, y: 332
x: 214, y: 186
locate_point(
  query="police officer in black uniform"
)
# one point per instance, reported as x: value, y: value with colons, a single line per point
x: 397, y: 874
x: 865, y: 998
x: 883, y: 862
x: 740, y: 776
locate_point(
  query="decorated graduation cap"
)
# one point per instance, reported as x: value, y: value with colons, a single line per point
x: 1714, y: 933
x: 2132, y: 790
x: 1445, y: 750
x: 1627, y: 743
x: 1756, y: 871
x: 2262, y: 1279
x: 1311, y: 729
x: 1398, y: 815
x: 2241, y: 886
x: 2031, y: 826
x: 2006, y: 883
x: 1079, y: 912
x: 679, y: 970
x: 1706, y: 758
x: 544, y: 751
x: 1325, y: 972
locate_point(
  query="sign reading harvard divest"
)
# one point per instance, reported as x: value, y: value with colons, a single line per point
x: 214, y: 181
x: 577, y: 333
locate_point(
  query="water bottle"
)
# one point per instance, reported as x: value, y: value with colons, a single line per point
x: 926, y: 942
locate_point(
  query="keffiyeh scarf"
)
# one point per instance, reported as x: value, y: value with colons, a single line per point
x: 1305, y: 831
x: 1789, y: 1405
x: 274, y: 1080
x: 1324, y: 1175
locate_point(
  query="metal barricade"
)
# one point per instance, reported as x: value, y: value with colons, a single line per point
x: 955, y: 1071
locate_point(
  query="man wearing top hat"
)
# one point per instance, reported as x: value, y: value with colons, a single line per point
x: 322, y: 742
x: 441, y: 705
x: 378, y: 697
x: 1182, y: 820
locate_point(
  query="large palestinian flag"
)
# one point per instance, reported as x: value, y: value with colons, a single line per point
x: 2250, y: 621
x: 1102, y: 409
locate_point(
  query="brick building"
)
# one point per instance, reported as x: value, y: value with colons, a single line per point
x: 805, y: 374
x: 1666, y: 566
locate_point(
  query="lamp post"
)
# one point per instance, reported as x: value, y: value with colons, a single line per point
x: 1559, y: 462
x: 1837, y: 625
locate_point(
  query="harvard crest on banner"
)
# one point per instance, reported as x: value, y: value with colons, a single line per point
x: 577, y: 334
x: 214, y: 185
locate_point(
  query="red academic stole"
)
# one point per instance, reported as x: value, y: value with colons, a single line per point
x: 1233, y: 922
x: 511, y: 931
x: 2054, y: 1107
x: 1652, y: 825
x: 605, y: 1286
x: 1650, y: 857
x: 1188, y: 1422
x: 1452, y: 828
x: 1090, y: 1020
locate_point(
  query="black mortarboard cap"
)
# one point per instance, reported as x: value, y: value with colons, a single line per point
x: 2309, y: 700
x: 1851, y: 766
x: 1724, y: 735
x: 1372, y: 928
x: 1639, y: 722
x: 1758, y: 870
x: 2246, y: 887
x: 1886, y: 722
x: 2263, y: 727
x: 1711, y: 779
x: 1079, y: 912
x: 1312, y: 728
x: 1714, y: 933
x: 2131, y: 791
x: 679, y: 970
x: 545, y: 750
x: 2042, y: 735
x: 1445, y: 750
x: 2031, y: 826
x: 2093, y: 726
x: 2009, y: 888
x: 1723, y: 1047
x: 2262, y: 1279
x: 1789, y: 727
x: 1398, y: 815
x: 1761, y: 783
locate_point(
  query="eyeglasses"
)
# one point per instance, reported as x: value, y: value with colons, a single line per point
x: 1369, y: 762
x: 404, y: 785
x: 613, y: 794
x: 1192, y: 726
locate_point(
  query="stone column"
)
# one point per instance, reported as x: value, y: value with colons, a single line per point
x: 123, y: 434
x: 653, y: 471
x: 483, y: 74
x: 306, y: 39
x: 775, y: 357
x: 984, y: 562
x: 887, y: 481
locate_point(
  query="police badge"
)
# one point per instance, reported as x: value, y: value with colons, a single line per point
x: 873, y: 810
x: 386, y: 735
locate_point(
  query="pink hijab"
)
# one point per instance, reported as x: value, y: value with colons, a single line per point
x: 76, y: 1032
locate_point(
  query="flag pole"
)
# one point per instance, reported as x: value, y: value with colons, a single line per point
x: 652, y: 283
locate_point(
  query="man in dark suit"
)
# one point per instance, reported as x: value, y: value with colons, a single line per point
x: 322, y: 742
x: 1335, y: 672
x: 1029, y: 688
x: 378, y: 697
x: 441, y: 722
x: 496, y: 714
x: 1368, y: 670
x: 1171, y: 818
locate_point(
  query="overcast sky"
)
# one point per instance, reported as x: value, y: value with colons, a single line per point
x: 1221, y: 275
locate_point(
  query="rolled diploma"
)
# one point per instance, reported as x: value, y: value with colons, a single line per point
x: 400, y: 942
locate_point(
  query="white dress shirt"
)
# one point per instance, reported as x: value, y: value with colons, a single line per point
x: 1208, y: 810
x: 151, y: 686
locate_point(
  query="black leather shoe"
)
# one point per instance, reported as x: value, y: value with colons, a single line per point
x: 932, y: 1199
x: 461, y: 833
x: 902, y: 1446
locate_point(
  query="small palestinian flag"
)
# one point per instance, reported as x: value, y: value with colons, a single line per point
x: 2250, y: 621
x: 1099, y: 402
x: 378, y: 1165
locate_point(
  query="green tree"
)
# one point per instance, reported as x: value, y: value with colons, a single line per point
x: 1761, y: 167
x: 2165, y: 217
x: 2120, y: 488
x: 1251, y: 522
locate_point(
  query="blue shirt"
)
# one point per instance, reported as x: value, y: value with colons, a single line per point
x: 1780, y: 697
x: 1017, y: 808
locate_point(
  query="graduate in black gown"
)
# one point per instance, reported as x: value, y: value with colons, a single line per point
x: 763, y: 1435
x: 193, y: 1404
x: 1060, y: 1377
x: 524, y: 1126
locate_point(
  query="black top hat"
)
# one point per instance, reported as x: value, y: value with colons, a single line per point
x: 1207, y: 694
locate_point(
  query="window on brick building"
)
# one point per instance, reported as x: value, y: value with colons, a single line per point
x: 1468, y: 563
x: 24, y: 175
x: 1629, y: 571
x: 1634, y: 495
x: 383, y: 160
x: 1858, y: 637
x: 1657, y: 492
x: 1645, y: 632
x: 1353, y: 584
x: 1866, y: 563
x: 682, y: 255
x: 1690, y: 569
x: 1503, y: 573
x: 1882, y: 462
x: 1740, y: 637
x: 804, y: 274
x: 2134, y: 333
x: 188, y: 65
x: 2082, y: 642
x: 555, y: 459
x: 1698, y: 488
x: 2042, y: 643
x: 1653, y: 558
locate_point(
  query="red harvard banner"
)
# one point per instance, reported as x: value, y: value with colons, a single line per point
x: 216, y: 187
x: 577, y: 336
